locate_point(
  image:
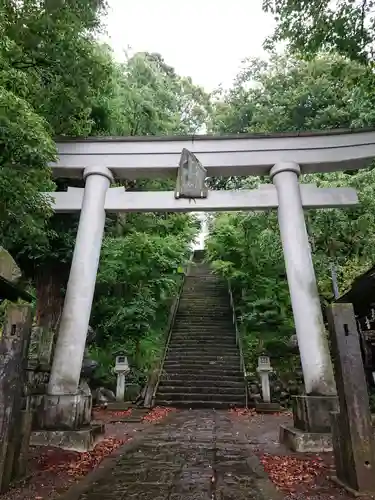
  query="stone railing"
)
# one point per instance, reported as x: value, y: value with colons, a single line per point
x: 239, y: 339
x: 154, y: 379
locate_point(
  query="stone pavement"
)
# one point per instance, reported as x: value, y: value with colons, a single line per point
x: 192, y: 455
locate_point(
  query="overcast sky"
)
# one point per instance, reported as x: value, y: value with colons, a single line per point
x: 204, y: 39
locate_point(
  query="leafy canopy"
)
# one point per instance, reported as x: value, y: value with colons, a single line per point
x: 346, y: 27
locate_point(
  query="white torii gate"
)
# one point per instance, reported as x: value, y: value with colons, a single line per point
x: 282, y: 157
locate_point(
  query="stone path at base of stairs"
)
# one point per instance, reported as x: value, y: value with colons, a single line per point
x: 192, y: 455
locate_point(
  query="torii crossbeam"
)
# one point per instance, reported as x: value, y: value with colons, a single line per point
x: 265, y: 198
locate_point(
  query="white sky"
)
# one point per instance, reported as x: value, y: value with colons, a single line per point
x: 204, y: 39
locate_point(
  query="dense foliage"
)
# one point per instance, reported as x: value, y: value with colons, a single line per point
x: 290, y: 94
x: 57, y: 80
x: 346, y: 27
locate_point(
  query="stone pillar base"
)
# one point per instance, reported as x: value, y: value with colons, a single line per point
x: 64, y: 412
x: 64, y: 421
x: 74, y: 440
x: 313, y: 413
x: 312, y: 424
x: 305, y: 442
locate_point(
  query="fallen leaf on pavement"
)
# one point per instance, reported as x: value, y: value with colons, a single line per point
x: 157, y: 414
x: 78, y: 464
x: 287, y: 472
x: 240, y: 412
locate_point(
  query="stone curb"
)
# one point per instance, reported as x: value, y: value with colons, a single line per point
x: 77, y: 489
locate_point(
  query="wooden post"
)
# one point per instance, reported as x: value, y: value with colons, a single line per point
x: 353, y: 439
x: 13, y: 357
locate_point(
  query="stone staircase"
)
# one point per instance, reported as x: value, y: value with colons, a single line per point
x: 202, y: 365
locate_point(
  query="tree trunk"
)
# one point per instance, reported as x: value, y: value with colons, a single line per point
x: 50, y: 290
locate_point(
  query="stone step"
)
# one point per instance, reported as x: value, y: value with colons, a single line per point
x: 202, y: 361
x: 208, y: 373
x: 210, y: 335
x: 198, y: 337
x: 214, y: 307
x: 199, y: 396
x: 213, y: 350
x: 199, y: 284
x: 213, y: 292
x: 193, y: 347
x: 204, y: 331
x: 193, y: 282
x: 200, y: 294
x: 190, y: 313
x: 205, y: 277
x: 216, y: 296
x: 206, y: 310
x: 206, y: 390
x: 197, y: 382
x: 197, y: 378
x: 205, y: 371
x: 202, y: 357
x: 189, y: 342
x: 199, y: 322
x: 203, y: 322
x: 204, y: 281
x: 194, y: 316
x: 188, y: 385
x: 217, y: 302
x: 185, y: 403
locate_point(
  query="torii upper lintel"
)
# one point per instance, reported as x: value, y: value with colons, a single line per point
x: 243, y: 154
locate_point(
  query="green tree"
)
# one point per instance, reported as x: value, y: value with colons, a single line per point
x: 290, y: 94
x: 50, y: 60
x: 25, y: 149
x: 346, y: 27
x: 157, y: 101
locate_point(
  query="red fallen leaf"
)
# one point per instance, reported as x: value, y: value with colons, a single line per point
x: 287, y: 472
x: 239, y: 412
x: 123, y: 413
x: 102, y: 414
x: 157, y: 414
x: 78, y: 464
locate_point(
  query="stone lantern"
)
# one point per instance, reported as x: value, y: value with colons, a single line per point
x: 122, y: 368
x: 264, y: 369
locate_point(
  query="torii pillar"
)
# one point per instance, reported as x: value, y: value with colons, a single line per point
x: 65, y: 406
x: 311, y: 412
